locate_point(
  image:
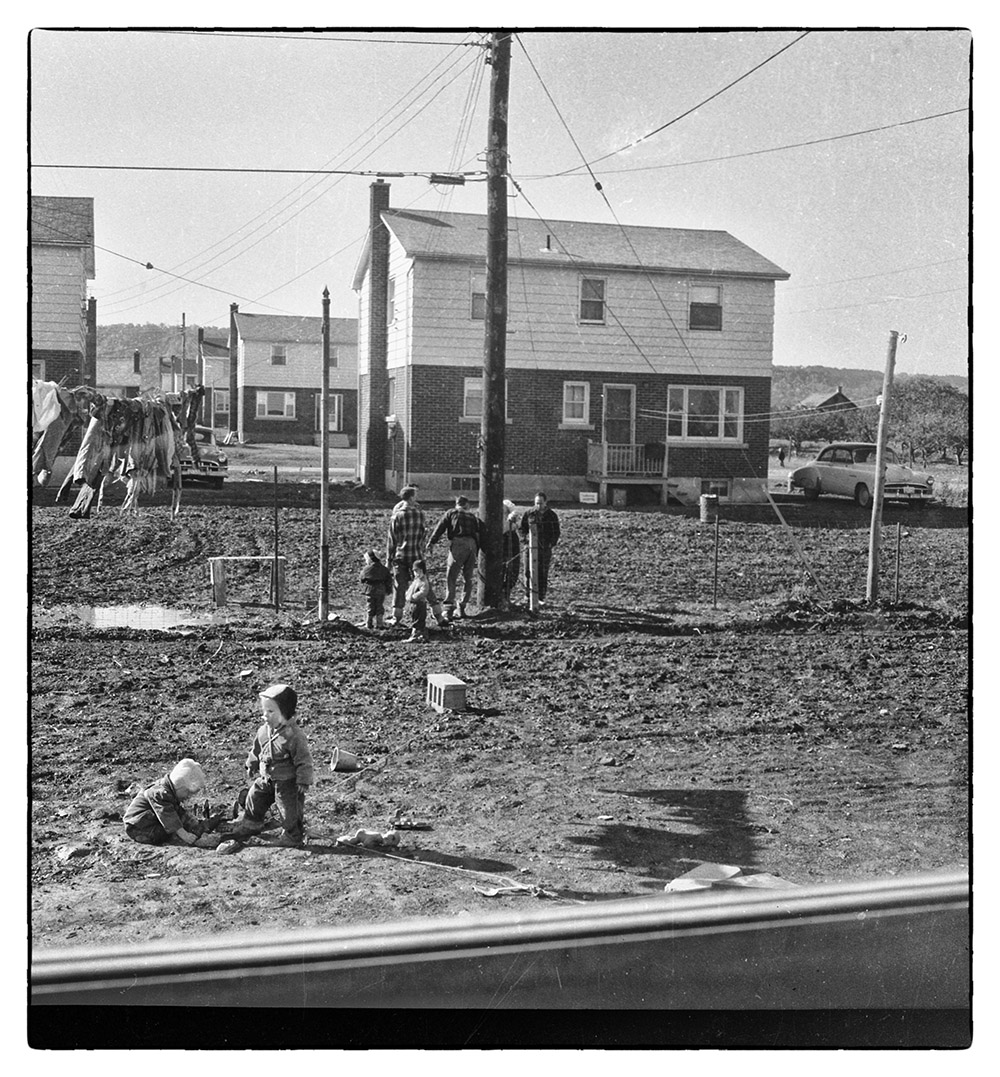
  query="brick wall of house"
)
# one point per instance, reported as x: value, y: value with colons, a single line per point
x: 441, y: 442
x: 297, y: 431
x: 60, y: 364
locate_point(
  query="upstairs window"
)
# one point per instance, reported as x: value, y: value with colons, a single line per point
x: 334, y: 357
x: 705, y: 311
x: 592, y: 299
x: 699, y: 413
x: 390, y: 301
x: 478, y: 301
x: 278, y: 355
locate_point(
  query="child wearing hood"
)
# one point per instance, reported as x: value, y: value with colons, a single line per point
x: 376, y: 580
x: 279, y: 767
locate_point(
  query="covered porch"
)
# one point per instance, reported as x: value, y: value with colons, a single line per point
x: 622, y: 465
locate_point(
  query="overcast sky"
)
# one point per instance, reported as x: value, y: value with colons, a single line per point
x: 873, y: 228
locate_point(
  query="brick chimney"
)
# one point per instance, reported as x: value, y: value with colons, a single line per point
x: 373, y: 388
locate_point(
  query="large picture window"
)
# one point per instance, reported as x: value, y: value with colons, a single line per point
x: 576, y: 402
x: 275, y: 405
x: 703, y: 413
x: 592, y: 299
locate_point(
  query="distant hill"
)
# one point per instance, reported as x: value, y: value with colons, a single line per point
x: 121, y: 341
x: 792, y: 384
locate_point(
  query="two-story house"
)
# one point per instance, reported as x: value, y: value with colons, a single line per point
x: 63, y: 320
x: 279, y: 374
x: 638, y: 360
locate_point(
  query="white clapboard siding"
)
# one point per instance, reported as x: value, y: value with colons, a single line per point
x: 59, y: 296
x: 544, y: 331
x: 303, y: 368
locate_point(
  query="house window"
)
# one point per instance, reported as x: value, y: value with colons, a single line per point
x: 390, y: 404
x: 278, y: 356
x: 335, y: 415
x: 460, y: 483
x: 699, y: 413
x: 472, y: 407
x: 38, y: 369
x: 390, y: 302
x: 190, y: 381
x: 592, y: 299
x: 705, y: 310
x: 576, y: 402
x: 220, y: 401
x: 334, y: 357
x: 275, y: 405
x: 479, y: 297
x: 136, y: 363
x: 719, y: 487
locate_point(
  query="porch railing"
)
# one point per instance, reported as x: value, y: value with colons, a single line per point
x: 626, y: 461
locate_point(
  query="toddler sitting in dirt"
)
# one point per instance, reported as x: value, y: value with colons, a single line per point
x: 279, y: 767
x: 420, y: 594
x: 159, y: 815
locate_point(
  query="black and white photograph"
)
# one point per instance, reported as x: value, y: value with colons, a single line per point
x: 498, y: 537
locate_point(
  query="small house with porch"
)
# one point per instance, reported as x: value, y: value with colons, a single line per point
x: 638, y: 359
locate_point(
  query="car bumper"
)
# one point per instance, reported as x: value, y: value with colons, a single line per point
x: 204, y: 474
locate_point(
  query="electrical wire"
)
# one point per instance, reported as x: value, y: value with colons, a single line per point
x: 871, y: 276
x: 694, y: 108
x: 296, y: 37
x: 876, y: 302
x: 751, y: 153
x: 426, y: 173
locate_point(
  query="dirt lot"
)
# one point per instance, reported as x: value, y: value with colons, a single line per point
x: 629, y: 733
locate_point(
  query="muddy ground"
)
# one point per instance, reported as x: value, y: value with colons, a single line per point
x: 629, y: 733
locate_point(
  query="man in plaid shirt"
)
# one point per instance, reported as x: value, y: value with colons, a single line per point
x: 404, y: 545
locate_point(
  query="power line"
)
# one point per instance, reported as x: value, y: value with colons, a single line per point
x: 755, y: 153
x: 269, y: 171
x: 872, y: 276
x: 694, y: 108
x: 876, y: 302
x: 295, y: 37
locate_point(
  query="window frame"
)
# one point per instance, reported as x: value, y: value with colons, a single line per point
x: 279, y: 355
x: 336, y: 416
x: 603, y: 320
x: 390, y: 301
x: 217, y: 394
x: 465, y: 417
x: 704, y: 308
x: 288, y: 414
x: 724, y: 414
x: 572, y: 420
x: 474, y: 277
x: 334, y: 357
x: 40, y: 363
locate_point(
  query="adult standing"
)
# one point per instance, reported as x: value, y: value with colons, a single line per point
x: 511, y: 549
x: 464, y: 533
x: 404, y: 545
x: 547, y: 524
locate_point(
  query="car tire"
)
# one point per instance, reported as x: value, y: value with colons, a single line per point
x: 862, y: 495
x: 811, y: 492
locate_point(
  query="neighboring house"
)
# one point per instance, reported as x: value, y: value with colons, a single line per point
x: 63, y: 319
x: 213, y: 366
x: 827, y: 401
x: 279, y: 374
x: 633, y: 366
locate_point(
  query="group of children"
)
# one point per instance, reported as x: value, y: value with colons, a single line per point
x: 376, y: 581
x: 279, y: 770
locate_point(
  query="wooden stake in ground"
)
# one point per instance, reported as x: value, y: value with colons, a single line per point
x: 875, y: 535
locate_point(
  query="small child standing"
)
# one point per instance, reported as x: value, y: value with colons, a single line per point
x: 420, y: 594
x: 159, y: 816
x: 376, y: 581
x: 279, y: 767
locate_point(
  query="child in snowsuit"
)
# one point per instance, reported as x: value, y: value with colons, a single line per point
x: 375, y: 581
x: 279, y: 767
x: 420, y: 594
x: 159, y: 815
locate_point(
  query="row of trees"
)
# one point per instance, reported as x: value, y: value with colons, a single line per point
x: 928, y: 419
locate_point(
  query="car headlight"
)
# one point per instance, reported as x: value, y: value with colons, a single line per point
x: 930, y: 481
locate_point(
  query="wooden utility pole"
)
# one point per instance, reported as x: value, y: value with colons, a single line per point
x: 493, y: 430
x: 875, y: 535
x: 324, y: 489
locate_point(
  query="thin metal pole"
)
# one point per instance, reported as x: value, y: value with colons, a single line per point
x: 715, y: 572
x: 277, y: 598
x: 871, y: 592
x: 895, y: 597
x: 533, y: 566
x: 324, y: 490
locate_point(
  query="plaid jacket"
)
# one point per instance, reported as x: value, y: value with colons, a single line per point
x: 548, y: 525
x: 407, y: 535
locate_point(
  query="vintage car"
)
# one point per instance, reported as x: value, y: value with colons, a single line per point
x: 212, y: 467
x: 847, y: 468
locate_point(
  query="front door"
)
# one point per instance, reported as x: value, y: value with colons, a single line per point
x: 619, y: 414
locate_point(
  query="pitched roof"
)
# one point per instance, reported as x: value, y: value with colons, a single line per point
x: 64, y: 222
x: 817, y: 400
x: 690, y: 250
x: 291, y: 329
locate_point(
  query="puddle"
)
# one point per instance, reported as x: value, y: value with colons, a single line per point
x: 149, y: 617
